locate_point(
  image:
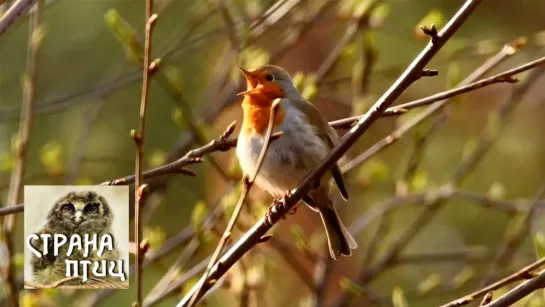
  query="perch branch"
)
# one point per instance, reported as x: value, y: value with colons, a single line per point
x: 248, y: 183
x: 413, y: 72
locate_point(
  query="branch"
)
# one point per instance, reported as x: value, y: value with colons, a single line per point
x: 520, y: 291
x: 22, y: 141
x: 138, y: 138
x: 16, y: 9
x: 524, y: 273
x: 514, y: 240
x: 248, y: 183
x: 255, y: 235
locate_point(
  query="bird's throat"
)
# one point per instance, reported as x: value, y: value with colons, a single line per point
x: 257, y: 111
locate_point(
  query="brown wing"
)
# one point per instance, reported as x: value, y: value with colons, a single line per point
x: 328, y: 134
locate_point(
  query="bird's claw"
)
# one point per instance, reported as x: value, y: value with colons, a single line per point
x: 278, y: 205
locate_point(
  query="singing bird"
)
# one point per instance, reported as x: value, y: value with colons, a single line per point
x: 306, y: 139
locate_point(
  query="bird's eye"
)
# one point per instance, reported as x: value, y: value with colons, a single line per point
x: 269, y: 77
x: 68, y: 208
x: 91, y: 208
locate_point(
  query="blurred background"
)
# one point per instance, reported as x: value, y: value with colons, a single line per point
x: 343, y: 55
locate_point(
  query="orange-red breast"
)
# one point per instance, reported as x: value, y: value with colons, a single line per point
x: 306, y: 140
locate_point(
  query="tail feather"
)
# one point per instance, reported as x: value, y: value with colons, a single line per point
x: 340, y: 241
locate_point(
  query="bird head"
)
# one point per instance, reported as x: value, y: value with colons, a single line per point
x: 268, y: 81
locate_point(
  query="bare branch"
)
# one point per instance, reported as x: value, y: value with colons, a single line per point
x: 139, y: 138
x: 253, y: 236
x: 524, y: 273
x: 23, y: 138
x: 248, y: 183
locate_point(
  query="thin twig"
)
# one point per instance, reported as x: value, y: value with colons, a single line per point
x: 247, y: 185
x: 138, y: 138
x: 519, y: 292
x: 413, y: 73
x: 22, y: 143
x: 524, y: 273
x: 398, y: 133
x: 16, y: 9
x: 514, y: 240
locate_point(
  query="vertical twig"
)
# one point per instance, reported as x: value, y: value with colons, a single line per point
x: 247, y: 185
x: 138, y: 137
x: 21, y: 145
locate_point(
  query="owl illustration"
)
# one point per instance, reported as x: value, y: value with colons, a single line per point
x: 79, y: 213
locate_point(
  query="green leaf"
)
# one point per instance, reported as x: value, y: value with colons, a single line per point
x: 231, y: 199
x: 351, y: 287
x: 428, y: 284
x: 398, y: 298
x: 517, y: 224
x: 454, y: 75
x: 174, y: 78
x: 157, y: 158
x: 463, y: 277
x: 51, y: 158
x: 198, y: 215
x: 310, y: 92
x: 6, y: 162
x: 434, y: 16
x: 374, y: 170
x: 539, y: 243
x: 84, y: 181
x: 125, y: 34
x: 496, y: 191
x: 178, y: 117
x: 155, y: 235
x: 298, y: 80
x: 379, y: 14
x: 419, y: 181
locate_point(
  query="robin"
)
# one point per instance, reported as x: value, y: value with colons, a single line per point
x: 306, y: 139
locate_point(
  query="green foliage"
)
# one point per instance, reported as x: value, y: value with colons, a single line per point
x: 178, y: 117
x: 379, y: 14
x: 19, y: 261
x: 539, y: 244
x: 374, y: 170
x: 463, y: 277
x: 350, y: 287
x: 517, y: 224
x: 454, y: 76
x: 84, y: 181
x: 298, y: 80
x: 126, y: 34
x: 434, y: 16
x: 231, y: 199
x: 6, y: 162
x: 174, y: 78
x: 398, y: 298
x: 157, y: 158
x: 496, y: 191
x: 198, y: 215
x: 155, y: 235
x: 51, y: 157
x: 419, y: 181
x: 428, y: 284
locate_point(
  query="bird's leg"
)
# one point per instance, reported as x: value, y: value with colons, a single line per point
x: 278, y: 205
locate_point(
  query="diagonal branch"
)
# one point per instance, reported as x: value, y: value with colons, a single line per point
x: 248, y: 183
x: 411, y: 74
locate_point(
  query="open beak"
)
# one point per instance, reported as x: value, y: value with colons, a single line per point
x: 251, y: 81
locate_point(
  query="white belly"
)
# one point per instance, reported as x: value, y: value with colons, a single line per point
x: 289, y: 158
